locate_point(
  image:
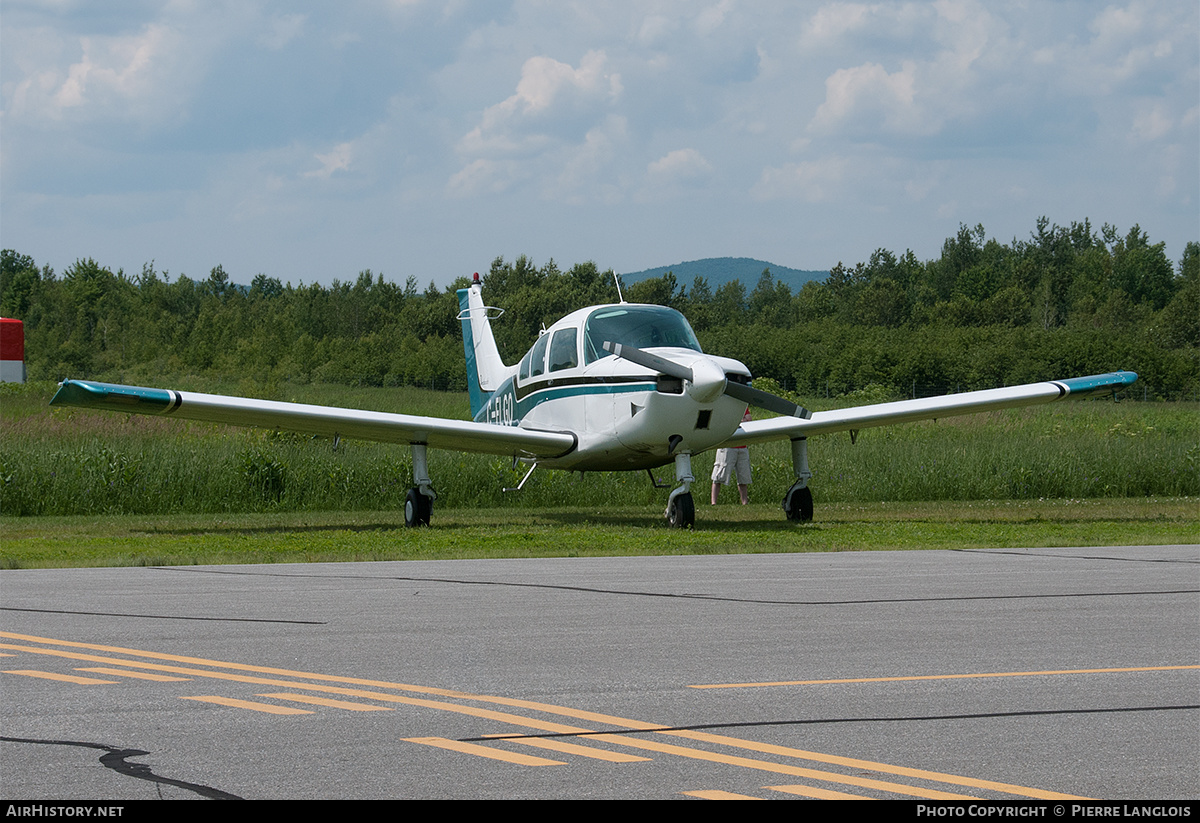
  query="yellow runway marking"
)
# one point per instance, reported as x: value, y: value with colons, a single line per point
x: 161, y: 678
x: 781, y: 768
x: 813, y: 791
x: 574, y: 748
x: 505, y: 717
x: 938, y: 677
x: 853, y: 763
x: 325, y: 701
x: 357, y: 681
x: 485, y: 751
x: 717, y: 794
x: 65, y: 678
x: 247, y: 704
x: 351, y: 687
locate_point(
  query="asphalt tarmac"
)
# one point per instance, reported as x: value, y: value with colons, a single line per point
x: 1034, y: 675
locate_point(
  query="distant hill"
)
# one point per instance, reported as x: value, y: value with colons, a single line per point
x: 720, y: 270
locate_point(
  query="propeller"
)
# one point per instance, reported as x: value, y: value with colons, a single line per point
x: 710, y: 382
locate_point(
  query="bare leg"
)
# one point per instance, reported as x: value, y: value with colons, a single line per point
x: 744, y: 491
x: 716, y: 488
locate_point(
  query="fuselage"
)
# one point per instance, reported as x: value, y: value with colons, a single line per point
x: 625, y: 416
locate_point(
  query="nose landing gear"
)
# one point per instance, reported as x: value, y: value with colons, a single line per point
x: 681, y: 509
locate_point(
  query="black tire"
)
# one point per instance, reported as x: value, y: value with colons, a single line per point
x: 681, y: 513
x: 799, y: 505
x: 417, y: 508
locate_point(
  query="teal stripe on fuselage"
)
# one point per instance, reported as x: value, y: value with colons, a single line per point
x: 494, y: 411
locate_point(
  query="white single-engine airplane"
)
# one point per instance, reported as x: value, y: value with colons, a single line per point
x: 608, y: 388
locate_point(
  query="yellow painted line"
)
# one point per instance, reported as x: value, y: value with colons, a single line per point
x: 358, y: 681
x: 325, y: 701
x: 161, y: 678
x: 939, y: 677
x: 503, y: 717
x: 573, y: 748
x: 854, y: 763
x: 717, y: 794
x: 813, y: 791
x: 65, y: 678
x: 578, y: 714
x: 485, y: 751
x: 782, y: 768
x: 247, y: 704
x: 475, y: 711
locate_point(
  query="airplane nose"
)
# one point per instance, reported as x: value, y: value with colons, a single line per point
x: 708, y: 381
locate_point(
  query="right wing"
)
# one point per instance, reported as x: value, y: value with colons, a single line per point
x: 927, y: 408
x: 328, y: 421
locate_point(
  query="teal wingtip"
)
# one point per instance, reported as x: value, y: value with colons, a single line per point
x: 1099, y: 383
x: 111, y: 397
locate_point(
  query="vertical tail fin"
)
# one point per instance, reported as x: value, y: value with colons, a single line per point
x: 485, y: 370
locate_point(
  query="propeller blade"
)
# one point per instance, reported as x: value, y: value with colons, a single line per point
x: 766, y: 400
x: 747, y: 394
x: 650, y: 361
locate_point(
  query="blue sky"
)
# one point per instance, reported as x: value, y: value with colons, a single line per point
x: 311, y: 140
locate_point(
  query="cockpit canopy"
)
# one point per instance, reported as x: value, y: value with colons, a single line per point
x: 643, y: 327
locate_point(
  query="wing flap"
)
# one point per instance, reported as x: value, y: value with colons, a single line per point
x: 927, y: 408
x: 437, y: 432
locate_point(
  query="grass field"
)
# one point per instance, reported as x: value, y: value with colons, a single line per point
x: 93, y: 488
x: 312, y: 537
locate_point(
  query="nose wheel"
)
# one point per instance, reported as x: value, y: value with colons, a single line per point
x: 681, y: 509
x: 681, y: 512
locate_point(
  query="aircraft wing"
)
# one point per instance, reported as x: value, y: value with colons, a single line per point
x: 437, y: 432
x: 926, y: 408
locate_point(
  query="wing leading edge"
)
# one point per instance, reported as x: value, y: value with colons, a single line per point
x: 906, y: 411
x: 458, y: 435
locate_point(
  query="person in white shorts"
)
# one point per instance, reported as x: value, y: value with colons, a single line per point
x: 729, y: 462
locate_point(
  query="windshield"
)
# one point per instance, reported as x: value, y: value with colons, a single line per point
x: 642, y: 327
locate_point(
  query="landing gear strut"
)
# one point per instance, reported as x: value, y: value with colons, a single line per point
x: 418, y: 504
x: 798, y: 502
x: 681, y: 509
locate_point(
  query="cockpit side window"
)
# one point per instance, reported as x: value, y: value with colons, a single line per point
x: 563, y: 350
x: 643, y: 327
x: 537, y: 356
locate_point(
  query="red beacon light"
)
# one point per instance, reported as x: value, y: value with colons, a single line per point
x: 475, y: 279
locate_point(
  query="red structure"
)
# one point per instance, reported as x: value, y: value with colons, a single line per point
x: 12, y: 351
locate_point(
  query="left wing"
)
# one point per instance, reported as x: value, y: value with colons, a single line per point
x: 442, y: 433
x: 905, y: 411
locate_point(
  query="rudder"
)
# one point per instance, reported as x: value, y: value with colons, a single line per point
x: 485, y: 370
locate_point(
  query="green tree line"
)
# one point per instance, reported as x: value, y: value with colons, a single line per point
x: 1066, y: 301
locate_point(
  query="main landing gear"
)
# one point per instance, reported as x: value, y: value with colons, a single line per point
x: 681, y: 509
x: 418, y: 504
x: 798, y: 502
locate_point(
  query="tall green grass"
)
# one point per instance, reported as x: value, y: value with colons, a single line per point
x: 72, y: 461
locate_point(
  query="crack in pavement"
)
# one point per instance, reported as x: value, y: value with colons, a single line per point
x: 115, y: 759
